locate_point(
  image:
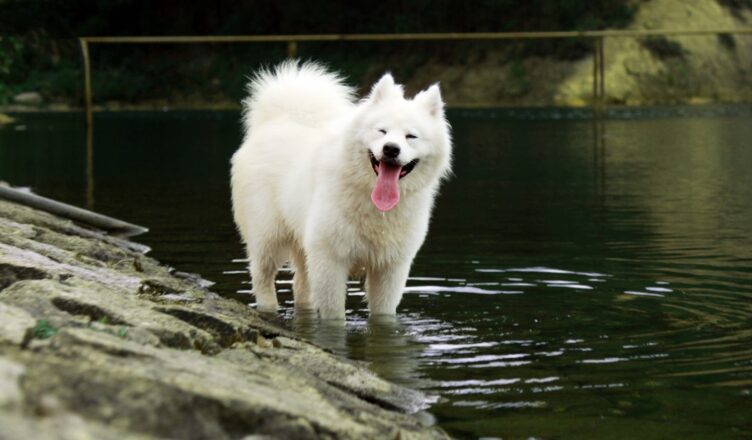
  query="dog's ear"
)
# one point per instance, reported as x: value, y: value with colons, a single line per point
x: 383, y: 88
x: 431, y: 100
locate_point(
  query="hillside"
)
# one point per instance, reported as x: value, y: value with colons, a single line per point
x: 39, y: 71
x: 692, y: 69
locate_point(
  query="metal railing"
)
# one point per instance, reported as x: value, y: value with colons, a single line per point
x: 598, y: 37
x: 598, y: 57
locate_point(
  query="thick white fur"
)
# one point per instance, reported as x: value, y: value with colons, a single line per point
x: 302, y: 180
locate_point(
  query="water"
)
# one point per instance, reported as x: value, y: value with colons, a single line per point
x: 579, y: 280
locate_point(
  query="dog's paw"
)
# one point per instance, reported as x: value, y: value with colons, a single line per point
x: 267, y: 307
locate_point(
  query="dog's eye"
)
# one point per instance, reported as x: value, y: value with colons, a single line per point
x: 382, y: 131
x: 411, y: 136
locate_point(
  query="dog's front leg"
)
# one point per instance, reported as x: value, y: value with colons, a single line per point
x: 328, y: 278
x: 384, y: 286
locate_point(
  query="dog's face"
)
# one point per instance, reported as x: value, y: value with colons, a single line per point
x: 405, y: 142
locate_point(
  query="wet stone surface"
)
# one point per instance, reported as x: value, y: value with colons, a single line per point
x: 98, y: 340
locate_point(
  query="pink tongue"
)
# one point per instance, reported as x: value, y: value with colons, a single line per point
x: 386, y: 194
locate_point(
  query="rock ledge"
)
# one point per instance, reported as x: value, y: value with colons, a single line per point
x: 97, y: 340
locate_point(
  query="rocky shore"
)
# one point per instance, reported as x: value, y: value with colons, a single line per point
x: 98, y: 340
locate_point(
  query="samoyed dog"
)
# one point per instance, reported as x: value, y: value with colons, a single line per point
x: 333, y: 185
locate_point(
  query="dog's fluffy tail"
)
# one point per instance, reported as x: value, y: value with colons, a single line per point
x: 304, y: 92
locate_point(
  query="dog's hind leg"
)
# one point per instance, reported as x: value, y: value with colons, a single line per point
x: 384, y: 287
x: 300, y: 285
x: 263, y: 272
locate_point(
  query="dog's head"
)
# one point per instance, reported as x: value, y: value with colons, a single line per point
x: 404, y: 143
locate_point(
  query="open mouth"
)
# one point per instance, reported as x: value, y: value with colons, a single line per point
x: 404, y: 171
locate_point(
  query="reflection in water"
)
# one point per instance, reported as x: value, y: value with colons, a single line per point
x: 381, y: 341
x: 579, y: 280
x: 326, y: 334
x: 89, y: 167
x: 599, y: 160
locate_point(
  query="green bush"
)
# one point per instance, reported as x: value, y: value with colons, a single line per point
x: 11, y: 50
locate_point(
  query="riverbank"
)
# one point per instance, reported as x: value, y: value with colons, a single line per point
x: 98, y: 340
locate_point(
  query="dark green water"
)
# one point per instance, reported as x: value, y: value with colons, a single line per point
x: 577, y: 281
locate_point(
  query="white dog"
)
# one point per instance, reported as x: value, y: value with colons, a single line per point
x: 332, y: 185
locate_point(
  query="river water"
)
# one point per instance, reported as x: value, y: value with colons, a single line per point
x: 579, y: 279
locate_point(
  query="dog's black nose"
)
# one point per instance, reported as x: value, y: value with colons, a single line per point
x: 391, y: 150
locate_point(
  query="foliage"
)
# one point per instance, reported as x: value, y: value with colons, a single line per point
x: 10, y: 57
x: 69, y: 18
x: 10, y: 51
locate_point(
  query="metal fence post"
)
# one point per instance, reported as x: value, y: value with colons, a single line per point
x: 89, y: 124
x: 87, y: 81
x: 599, y: 75
x: 594, y: 97
x: 602, y: 73
x: 292, y: 49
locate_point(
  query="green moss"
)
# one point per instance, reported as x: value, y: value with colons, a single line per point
x: 122, y: 332
x: 43, y: 330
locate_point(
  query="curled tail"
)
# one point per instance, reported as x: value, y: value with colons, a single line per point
x: 303, y: 92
